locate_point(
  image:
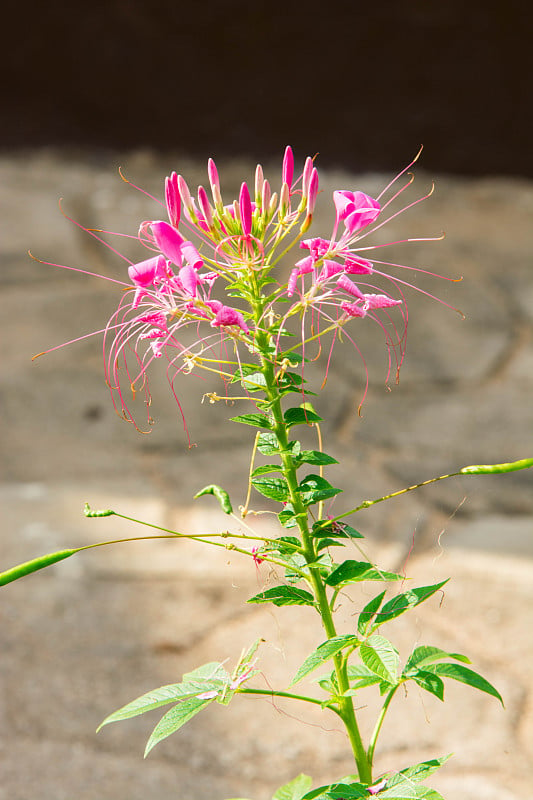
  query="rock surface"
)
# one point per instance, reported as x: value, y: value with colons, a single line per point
x: 97, y: 630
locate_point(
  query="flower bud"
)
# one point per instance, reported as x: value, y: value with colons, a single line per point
x: 205, y: 207
x: 245, y: 207
x: 284, y: 200
x: 186, y: 198
x: 259, y: 183
x: 288, y: 166
x: 173, y: 200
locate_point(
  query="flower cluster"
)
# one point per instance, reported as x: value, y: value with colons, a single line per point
x: 209, y: 252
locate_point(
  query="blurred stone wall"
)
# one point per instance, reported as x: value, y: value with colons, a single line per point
x: 97, y: 630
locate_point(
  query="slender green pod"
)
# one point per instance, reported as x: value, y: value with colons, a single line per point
x: 98, y: 512
x: 487, y: 469
x: 34, y: 565
x: 221, y: 495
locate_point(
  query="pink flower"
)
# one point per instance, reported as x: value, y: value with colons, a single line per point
x: 356, y: 209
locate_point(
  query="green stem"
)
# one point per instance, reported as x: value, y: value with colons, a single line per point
x: 275, y: 693
x: 279, y: 428
x: 379, y: 723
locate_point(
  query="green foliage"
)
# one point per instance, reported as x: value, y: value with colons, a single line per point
x: 284, y: 596
x: 404, y: 601
x: 381, y: 658
x: 335, y: 530
x: 356, y: 571
x: 315, y: 457
x: 369, y: 611
x: 273, y: 488
x: 257, y: 420
x: 294, y: 790
x: 314, y: 489
x: 324, y: 652
x: 300, y: 416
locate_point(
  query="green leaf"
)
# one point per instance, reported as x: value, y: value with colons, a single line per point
x: 295, y: 789
x: 361, y: 676
x: 428, y: 681
x: 323, y: 653
x: 257, y: 420
x: 426, y: 654
x: 300, y: 416
x: 265, y: 469
x: 368, y: 613
x: 460, y: 673
x: 287, y: 517
x: 254, y: 382
x: 338, y: 790
x: 213, y: 670
x: 267, y: 444
x: 421, y: 771
x: 273, y: 488
x: 175, y: 719
x: 221, y: 495
x: 403, y: 602
x: 323, y: 543
x: 208, y: 677
x: 316, y: 457
x: 284, y: 596
x: 381, y: 657
x: 336, y: 530
x: 355, y: 571
x: 315, y: 488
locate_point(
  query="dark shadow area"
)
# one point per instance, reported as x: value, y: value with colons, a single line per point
x: 364, y: 84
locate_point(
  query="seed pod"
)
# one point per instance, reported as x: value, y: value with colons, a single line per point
x: 35, y: 564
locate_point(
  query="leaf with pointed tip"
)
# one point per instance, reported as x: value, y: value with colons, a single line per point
x: 267, y: 444
x: 361, y: 676
x: 300, y: 416
x: 175, y: 719
x: 355, y: 571
x: 273, y: 488
x: 351, y: 791
x: 428, y: 681
x: 254, y: 382
x: 315, y: 457
x: 257, y: 420
x: 421, y: 771
x: 336, y: 530
x: 284, y: 596
x: 368, y: 612
x: 315, y: 488
x: 404, y: 601
x: 460, y: 673
x: 295, y: 789
x: 426, y: 654
x: 265, y: 469
x: 323, y: 653
x: 381, y: 657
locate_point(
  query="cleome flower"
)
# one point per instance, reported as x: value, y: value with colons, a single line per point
x: 179, y: 302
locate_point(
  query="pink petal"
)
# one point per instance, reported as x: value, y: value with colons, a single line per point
x: 358, y: 266
x: 353, y: 310
x: 350, y: 287
x: 168, y: 240
x: 191, y: 255
x: 380, y: 301
x: 230, y: 316
x: 143, y: 273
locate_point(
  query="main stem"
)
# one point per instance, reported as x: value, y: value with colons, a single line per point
x: 279, y: 428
